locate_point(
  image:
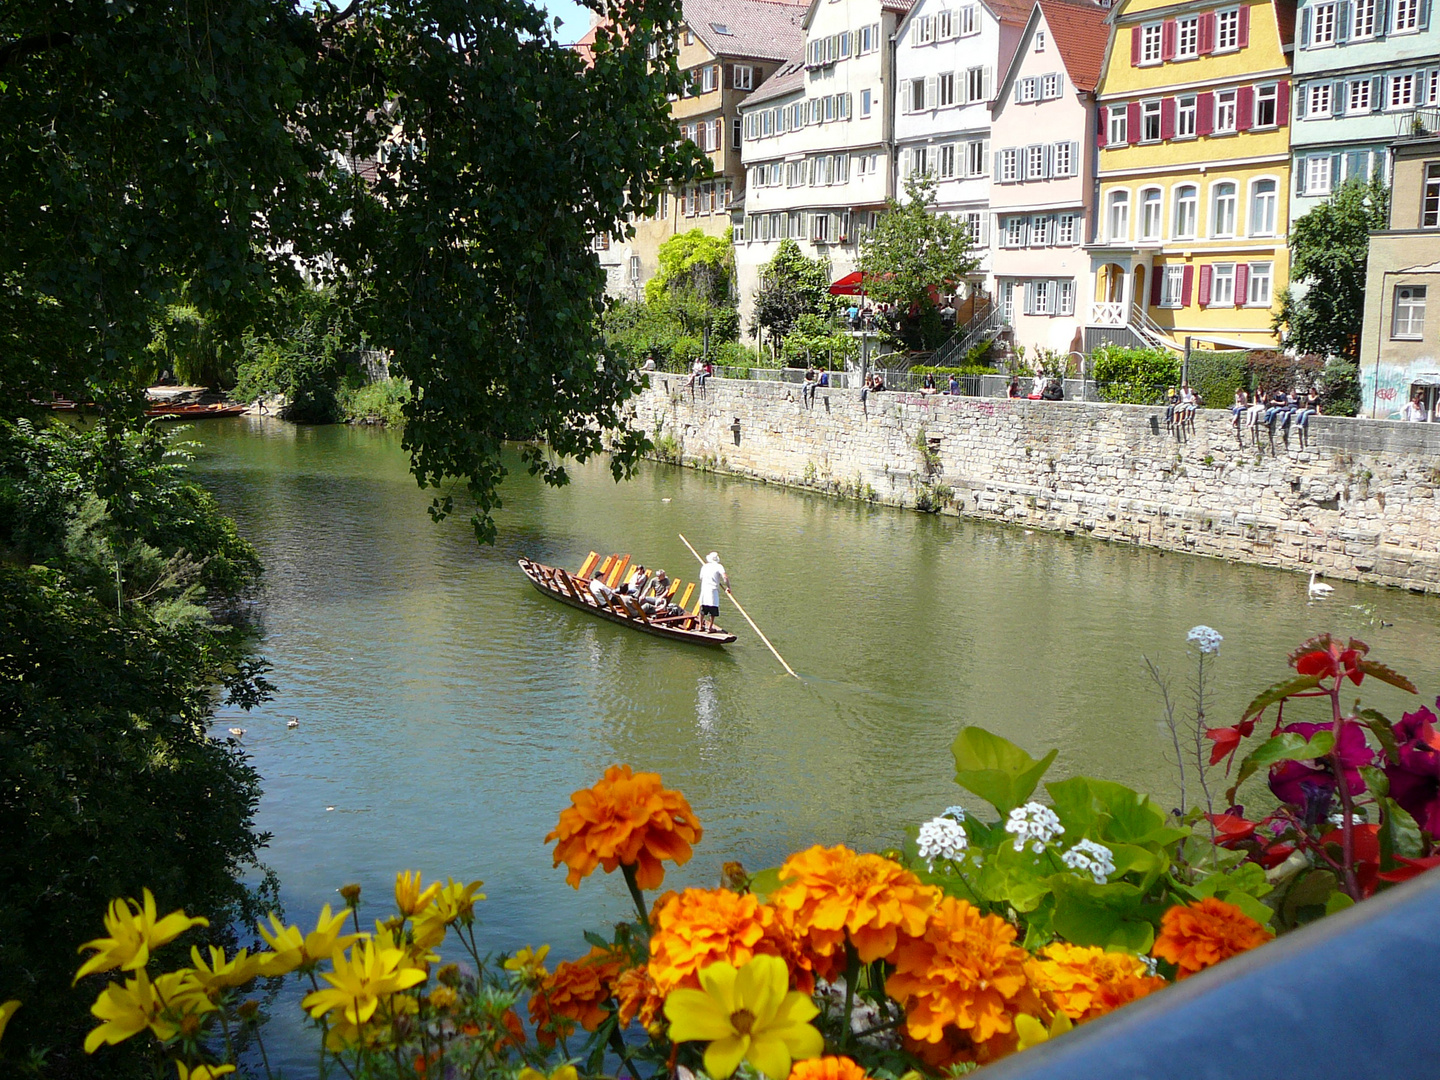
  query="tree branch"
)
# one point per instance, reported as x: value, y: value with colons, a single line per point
x: 339, y: 16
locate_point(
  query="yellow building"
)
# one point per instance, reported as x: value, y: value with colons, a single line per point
x: 1193, y: 173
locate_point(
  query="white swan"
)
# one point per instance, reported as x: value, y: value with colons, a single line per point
x: 1319, y: 589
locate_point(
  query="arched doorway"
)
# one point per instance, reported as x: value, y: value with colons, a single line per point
x: 1109, y: 309
x: 1139, y: 293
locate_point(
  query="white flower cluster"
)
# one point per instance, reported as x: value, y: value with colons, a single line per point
x: 956, y: 812
x: 1035, y: 824
x: 1205, y: 639
x: 1097, y: 860
x: 942, y: 838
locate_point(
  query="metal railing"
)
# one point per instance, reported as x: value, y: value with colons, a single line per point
x: 986, y: 320
x: 1107, y: 313
x: 1150, y: 330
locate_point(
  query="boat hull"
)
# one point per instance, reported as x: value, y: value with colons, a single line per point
x: 546, y: 578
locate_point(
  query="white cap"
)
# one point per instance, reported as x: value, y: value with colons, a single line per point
x: 714, y: 556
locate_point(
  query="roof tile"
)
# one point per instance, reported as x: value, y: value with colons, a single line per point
x: 1081, y: 33
x: 754, y: 29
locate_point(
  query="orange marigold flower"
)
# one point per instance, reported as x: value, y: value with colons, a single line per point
x: 575, y: 994
x: 514, y: 1028
x: 1086, y: 982
x: 963, y: 972
x: 700, y: 927
x: 1194, y: 937
x: 827, y: 1068
x: 834, y: 893
x: 627, y: 819
x: 638, y: 996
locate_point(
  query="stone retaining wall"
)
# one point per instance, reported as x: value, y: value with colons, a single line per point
x: 1359, y: 502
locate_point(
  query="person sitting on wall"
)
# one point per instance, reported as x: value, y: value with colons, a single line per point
x: 1037, y: 388
x: 1239, y: 407
x: 954, y: 385
x: 1310, y: 407
x: 1013, y: 390
x: 1054, y: 391
x: 1415, y: 412
x: 1278, y: 408
x: 1189, y: 405
x: 807, y: 389
x: 1172, y: 402
x: 928, y: 386
x: 824, y: 378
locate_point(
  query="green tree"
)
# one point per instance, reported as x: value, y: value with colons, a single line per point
x: 913, y: 254
x: 695, y: 288
x: 1323, y: 312
x: 443, y: 164
x: 791, y: 285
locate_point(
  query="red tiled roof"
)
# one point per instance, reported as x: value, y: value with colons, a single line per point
x: 899, y: 7
x: 788, y: 77
x: 752, y: 29
x: 1081, y: 33
x: 1015, y: 12
x: 1285, y: 20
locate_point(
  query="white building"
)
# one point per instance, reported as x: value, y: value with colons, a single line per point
x: 817, y: 140
x: 947, y: 56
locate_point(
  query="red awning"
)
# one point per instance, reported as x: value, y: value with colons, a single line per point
x: 852, y: 284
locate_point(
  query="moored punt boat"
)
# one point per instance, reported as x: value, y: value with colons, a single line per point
x: 194, y: 412
x: 574, y: 589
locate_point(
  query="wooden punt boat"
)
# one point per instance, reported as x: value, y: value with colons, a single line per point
x: 194, y: 412
x: 574, y: 589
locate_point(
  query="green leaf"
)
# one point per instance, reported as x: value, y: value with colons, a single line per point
x: 1338, y: 902
x: 1376, y: 782
x: 1399, y: 834
x: 1279, y: 692
x: 1109, y: 916
x: 1291, y: 746
x: 1386, y: 675
x: 764, y: 882
x: 1256, y: 909
x: 1310, y: 888
x: 1384, y: 731
x: 996, y: 769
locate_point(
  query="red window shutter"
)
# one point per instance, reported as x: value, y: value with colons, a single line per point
x: 1132, y: 123
x: 1167, y: 118
x: 1282, y: 104
x: 1187, y: 286
x: 1244, y: 108
x: 1205, y: 113
x: 1135, y: 46
x: 1101, y: 135
x: 1207, y: 33
x: 1242, y: 283
x: 1157, y: 277
x: 1167, y: 40
x: 1205, y: 273
x: 1244, y: 25
x: 730, y: 76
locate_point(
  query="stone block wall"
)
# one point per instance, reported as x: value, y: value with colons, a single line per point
x: 1359, y: 502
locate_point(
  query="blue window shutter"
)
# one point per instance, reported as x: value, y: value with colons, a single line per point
x: 1305, y: 29
x: 1299, y: 176
x: 1342, y: 17
x: 1382, y: 17
x: 1377, y: 93
x: 1424, y: 14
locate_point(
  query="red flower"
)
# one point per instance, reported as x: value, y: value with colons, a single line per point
x: 1227, y: 739
x: 1415, y: 777
x: 1367, y: 853
x: 1274, y: 855
x: 1231, y: 829
x: 1327, y: 658
x: 1409, y: 868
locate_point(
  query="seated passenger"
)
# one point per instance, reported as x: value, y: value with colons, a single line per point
x: 639, y: 578
x: 604, y: 595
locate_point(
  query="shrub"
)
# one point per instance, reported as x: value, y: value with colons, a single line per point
x: 1134, y: 376
x: 382, y: 401
x: 817, y: 341
x: 1215, y: 376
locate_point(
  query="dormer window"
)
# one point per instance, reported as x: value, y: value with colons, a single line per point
x: 1039, y: 41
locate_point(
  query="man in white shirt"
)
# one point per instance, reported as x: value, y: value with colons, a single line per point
x: 712, y: 575
x: 604, y: 595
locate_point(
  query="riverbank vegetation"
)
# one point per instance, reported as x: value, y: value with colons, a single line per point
x: 988, y: 932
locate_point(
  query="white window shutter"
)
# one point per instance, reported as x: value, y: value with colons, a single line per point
x: 989, y: 80
x: 1049, y: 161
x: 1074, y: 159
x: 932, y: 90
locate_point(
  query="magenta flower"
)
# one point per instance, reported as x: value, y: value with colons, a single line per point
x: 1311, y: 785
x: 1415, y: 780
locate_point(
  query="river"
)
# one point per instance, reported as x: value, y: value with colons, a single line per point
x: 446, y: 710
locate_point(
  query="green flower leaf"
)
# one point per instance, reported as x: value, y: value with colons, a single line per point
x: 1291, y: 746
x: 996, y: 769
x: 1279, y: 692
x: 1386, y: 675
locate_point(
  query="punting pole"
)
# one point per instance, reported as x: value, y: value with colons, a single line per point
x: 742, y: 611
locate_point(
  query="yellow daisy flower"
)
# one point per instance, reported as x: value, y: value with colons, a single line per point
x: 134, y: 930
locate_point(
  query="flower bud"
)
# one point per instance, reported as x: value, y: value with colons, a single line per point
x: 351, y: 894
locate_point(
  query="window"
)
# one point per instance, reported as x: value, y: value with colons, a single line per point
x: 1064, y: 157
x: 1040, y: 297
x: 1118, y: 223
x: 1172, y: 285
x: 1187, y: 202
x: 975, y: 225
x: 947, y: 89
x: 944, y: 24
x: 977, y: 84
x: 707, y: 79
x: 1015, y: 232
x: 1050, y: 87
x: 1222, y: 284
x: 744, y: 77
x: 969, y: 21
x: 1267, y: 99
x: 1150, y: 43
x: 795, y: 224
x: 1115, y: 132
x: 1322, y: 25
x: 1009, y: 166
x: 1067, y: 297
x: 1408, y: 321
x: 1357, y: 164
x: 1040, y: 230
x: 1150, y: 122
x: 1317, y: 100
x: 1359, y: 97
x: 1262, y: 208
x: 820, y: 228
x: 1430, y: 203
x: 1035, y: 163
x: 1150, y: 205
x: 1224, y: 111
x: 1260, y: 284
x: 946, y: 167
x: 864, y: 102
x: 1222, y: 196
x: 1362, y: 19
x: 1227, y: 30
x: 1317, y: 175
x: 1064, y: 229
x: 1026, y: 89
x: 925, y: 30
x: 867, y: 40
x: 1185, y: 117
x: 1402, y: 91
x: 1187, y: 38
x: 1407, y: 16
x: 916, y: 97
x: 976, y: 151
x: 828, y: 102
x: 1039, y: 40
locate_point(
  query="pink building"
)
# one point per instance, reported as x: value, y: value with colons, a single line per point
x: 1043, y: 167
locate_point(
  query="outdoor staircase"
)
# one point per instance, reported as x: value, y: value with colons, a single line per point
x: 1110, y: 324
x: 983, y: 325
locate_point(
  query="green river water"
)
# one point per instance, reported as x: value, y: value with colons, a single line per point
x: 447, y: 710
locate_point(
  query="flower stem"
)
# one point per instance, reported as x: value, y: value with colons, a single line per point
x: 635, y: 894
x: 1347, y: 826
x: 852, y: 976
